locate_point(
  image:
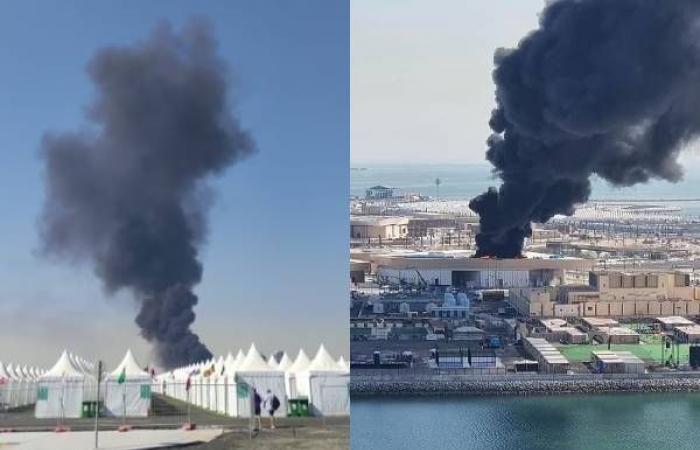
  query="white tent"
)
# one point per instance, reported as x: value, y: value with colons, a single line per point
x: 63, y: 389
x: 255, y: 374
x: 231, y: 364
x: 132, y: 397
x: 327, y: 385
x: 301, y: 363
x: 5, y: 388
x: 240, y: 357
x: 343, y: 365
x: 218, y: 386
x: 285, y: 362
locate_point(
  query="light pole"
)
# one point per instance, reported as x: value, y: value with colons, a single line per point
x: 97, y: 403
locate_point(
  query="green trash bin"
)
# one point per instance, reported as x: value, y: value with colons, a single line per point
x: 298, y: 407
x: 88, y: 410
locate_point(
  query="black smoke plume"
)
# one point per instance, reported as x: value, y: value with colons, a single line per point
x: 130, y: 194
x: 605, y: 87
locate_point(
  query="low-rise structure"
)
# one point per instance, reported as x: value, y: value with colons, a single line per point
x: 687, y: 334
x: 618, y: 335
x: 378, y: 227
x: 670, y: 322
x: 617, y: 362
x: 598, y: 322
x: 559, y: 330
x: 549, y: 359
x: 467, y: 333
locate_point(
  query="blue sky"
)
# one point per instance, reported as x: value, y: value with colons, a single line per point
x: 275, y: 264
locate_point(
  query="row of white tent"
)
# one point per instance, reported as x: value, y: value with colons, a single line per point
x: 70, y: 385
x: 17, y: 385
x: 225, y: 385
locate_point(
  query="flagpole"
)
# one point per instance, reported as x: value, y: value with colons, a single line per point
x: 189, y: 421
x: 124, y: 404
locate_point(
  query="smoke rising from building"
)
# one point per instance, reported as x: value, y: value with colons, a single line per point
x: 605, y: 87
x: 129, y: 195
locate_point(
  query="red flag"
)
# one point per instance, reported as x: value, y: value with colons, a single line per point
x: 189, y: 383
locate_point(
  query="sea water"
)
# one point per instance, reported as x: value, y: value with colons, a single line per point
x: 609, y: 421
x: 461, y: 182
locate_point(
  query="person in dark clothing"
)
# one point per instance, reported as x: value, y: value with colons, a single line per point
x: 257, y: 401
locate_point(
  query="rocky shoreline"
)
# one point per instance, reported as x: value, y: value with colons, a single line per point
x: 405, y: 387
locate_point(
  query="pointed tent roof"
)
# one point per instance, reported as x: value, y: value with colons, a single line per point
x: 323, y: 361
x: 240, y: 357
x: 130, y: 366
x: 271, y: 362
x: 3, y: 371
x: 254, y: 362
x: 285, y: 362
x: 301, y: 363
x: 229, y: 364
x: 343, y: 364
x: 64, y: 367
x: 13, y: 371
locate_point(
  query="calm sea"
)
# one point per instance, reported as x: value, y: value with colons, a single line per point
x: 459, y: 182
x: 619, y: 421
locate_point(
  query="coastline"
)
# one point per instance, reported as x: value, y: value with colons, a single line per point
x: 438, y: 385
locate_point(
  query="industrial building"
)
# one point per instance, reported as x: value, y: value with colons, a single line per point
x: 459, y: 270
x: 379, y: 192
x: 613, y: 294
x: 378, y: 227
x: 453, y: 307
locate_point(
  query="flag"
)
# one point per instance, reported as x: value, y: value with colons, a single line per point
x: 207, y: 373
x: 122, y: 376
x: 189, y: 384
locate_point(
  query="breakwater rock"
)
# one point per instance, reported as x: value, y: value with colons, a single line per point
x: 399, y: 387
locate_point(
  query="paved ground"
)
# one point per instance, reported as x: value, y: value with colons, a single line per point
x: 109, y: 440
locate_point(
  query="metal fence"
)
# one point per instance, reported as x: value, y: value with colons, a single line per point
x: 417, y: 371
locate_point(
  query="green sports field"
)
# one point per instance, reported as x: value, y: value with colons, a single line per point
x: 649, y: 350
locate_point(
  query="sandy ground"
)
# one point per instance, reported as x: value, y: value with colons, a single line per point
x: 161, y: 431
x: 330, y: 438
x: 109, y: 440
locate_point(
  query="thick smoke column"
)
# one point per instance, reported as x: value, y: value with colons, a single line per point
x: 130, y: 197
x: 606, y: 87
